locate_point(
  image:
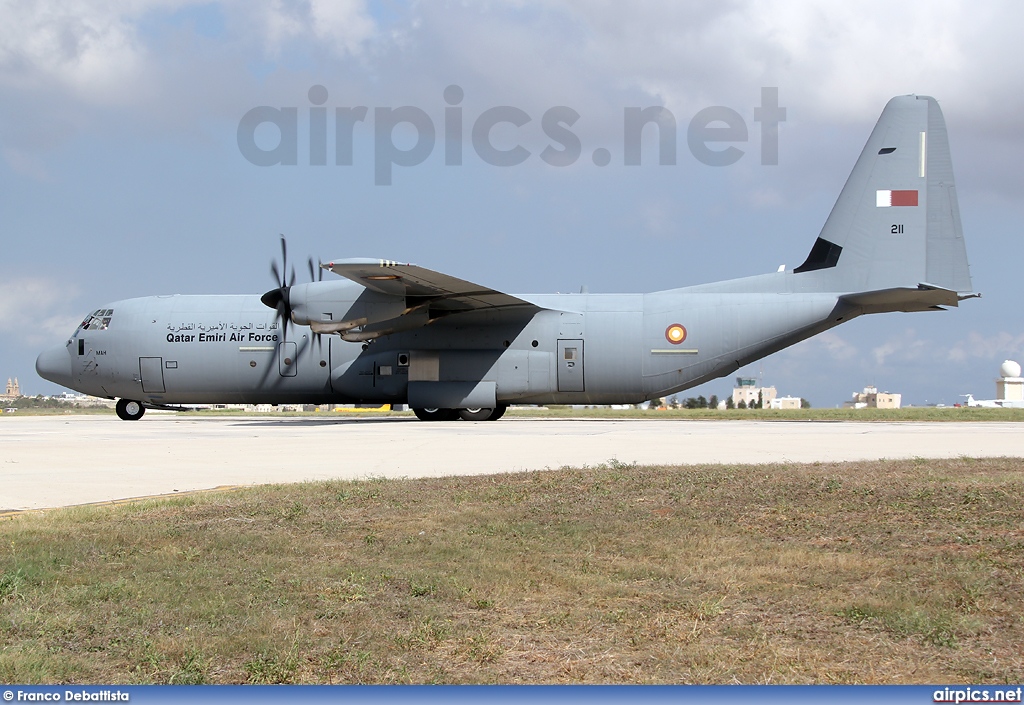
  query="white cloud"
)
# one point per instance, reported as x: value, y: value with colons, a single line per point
x: 832, y: 62
x: 991, y: 347
x: 906, y: 347
x: 836, y: 59
x: 341, y: 26
x: 34, y: 309
x: 909, y: 348
x: 830, y: 343
x: 344, y: 25
x: 99, y: 52
x: 87, y: 48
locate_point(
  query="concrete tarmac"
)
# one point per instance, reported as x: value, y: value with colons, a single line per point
x: 53, y: 461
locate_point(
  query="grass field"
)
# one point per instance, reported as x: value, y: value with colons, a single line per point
x: 877, y: 572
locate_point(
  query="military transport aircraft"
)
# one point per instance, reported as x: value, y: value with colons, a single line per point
x: 386, y: 332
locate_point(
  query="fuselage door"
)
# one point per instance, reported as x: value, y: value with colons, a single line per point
x: 570, y: 366
x: 286, y: 358
x: 151, y: 370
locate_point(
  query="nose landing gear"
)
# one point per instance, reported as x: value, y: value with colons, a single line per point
x: 129, y: 409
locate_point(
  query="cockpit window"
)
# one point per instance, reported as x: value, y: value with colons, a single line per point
x: 97, y: 320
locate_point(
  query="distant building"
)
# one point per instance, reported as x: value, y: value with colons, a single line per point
x: 786, y: 403
x: 269, y: 408
x: 747, y: 391
x: 871, y: 398
x: 13, y: 390
x: 84, y: 400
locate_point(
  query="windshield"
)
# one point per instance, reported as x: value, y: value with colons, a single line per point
x: 97, y: 320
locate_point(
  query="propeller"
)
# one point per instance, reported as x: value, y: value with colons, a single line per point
x: 279, y: 300
x: 316, y: 274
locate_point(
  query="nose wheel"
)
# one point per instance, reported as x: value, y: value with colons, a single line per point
x: 129, y: 409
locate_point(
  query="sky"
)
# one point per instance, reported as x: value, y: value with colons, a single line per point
x: 127, y: 163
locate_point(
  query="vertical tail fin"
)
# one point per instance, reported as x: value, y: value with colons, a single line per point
x: 897, y: 222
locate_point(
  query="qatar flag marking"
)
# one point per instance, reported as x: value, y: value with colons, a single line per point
x: 884, y: 199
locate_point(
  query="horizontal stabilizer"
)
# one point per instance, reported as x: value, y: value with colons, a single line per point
x: 923, y: 298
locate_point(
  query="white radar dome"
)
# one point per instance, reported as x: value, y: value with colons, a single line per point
x: 1009, y: 368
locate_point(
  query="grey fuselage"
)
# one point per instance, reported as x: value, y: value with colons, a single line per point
x: 217, y: 349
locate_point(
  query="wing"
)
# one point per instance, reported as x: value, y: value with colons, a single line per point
x: 422, y: 286
x: 428, y: 295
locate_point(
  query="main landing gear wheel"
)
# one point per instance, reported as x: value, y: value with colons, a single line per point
x: 129, y: 410
x: 483, y: 414
x: 436, y: 414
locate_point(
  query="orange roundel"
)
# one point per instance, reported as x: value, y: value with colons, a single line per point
x: 675, y: 334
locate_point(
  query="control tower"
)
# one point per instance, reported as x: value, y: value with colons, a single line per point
x: 1010, y: 385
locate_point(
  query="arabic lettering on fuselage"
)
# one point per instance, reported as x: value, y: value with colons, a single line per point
x: 210, y: 332
x: 179, y: 327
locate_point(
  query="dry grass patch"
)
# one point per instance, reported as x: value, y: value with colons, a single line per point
x: 895, y: 572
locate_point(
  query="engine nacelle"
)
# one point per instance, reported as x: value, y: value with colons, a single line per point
x: 334, y: 306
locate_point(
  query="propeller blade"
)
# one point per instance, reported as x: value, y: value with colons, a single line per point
x: 302, y: 346
x: 282, y: 313
x: 278, y: 299
x: 274, y: 363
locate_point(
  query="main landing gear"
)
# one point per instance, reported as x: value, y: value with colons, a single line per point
x: 464, y: 414
x: 129, y: 410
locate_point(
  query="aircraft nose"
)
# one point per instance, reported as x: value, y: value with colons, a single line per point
x: 54, y: 364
